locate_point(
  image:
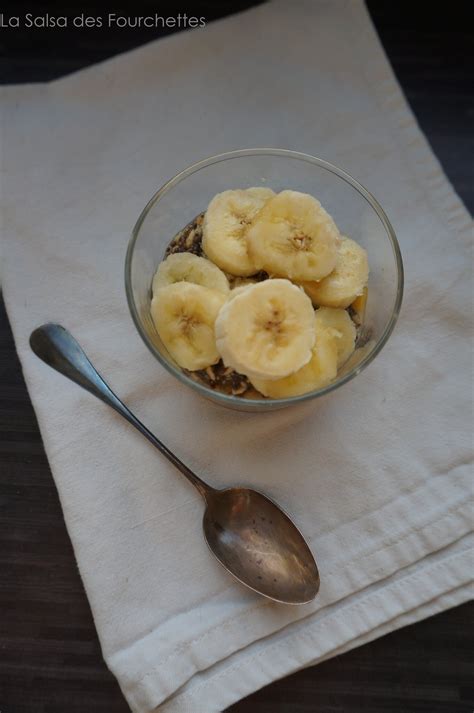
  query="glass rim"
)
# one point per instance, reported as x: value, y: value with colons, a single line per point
x: 229, y: 399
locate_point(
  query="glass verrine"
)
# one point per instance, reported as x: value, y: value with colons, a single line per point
x: 355, y: 211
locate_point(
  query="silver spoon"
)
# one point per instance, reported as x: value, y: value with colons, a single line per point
x: 247, y: 532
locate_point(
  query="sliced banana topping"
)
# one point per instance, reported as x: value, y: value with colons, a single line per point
x: 342, y: 326
x: 225, y: 226
x: 184, y: 315
x: 359, y: 306
x: 238, y: 290
x: 242, y: 281
x: 293, y: 236
x: 221, y: 308
x: 267, y: 330
x: 317, y: 373
x: 346, y: 282
x: 186, y: 267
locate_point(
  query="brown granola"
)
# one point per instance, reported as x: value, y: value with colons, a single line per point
x: 222, y: 378
x: 189, y: 239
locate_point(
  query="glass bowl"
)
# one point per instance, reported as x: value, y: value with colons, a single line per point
x: 355, y: 211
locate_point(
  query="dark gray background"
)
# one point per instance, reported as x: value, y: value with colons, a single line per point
x: 50, y: 659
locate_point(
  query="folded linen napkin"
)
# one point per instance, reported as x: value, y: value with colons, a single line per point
x: 376, y: 474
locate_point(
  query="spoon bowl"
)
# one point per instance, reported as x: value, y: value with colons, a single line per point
x: 257, y: 542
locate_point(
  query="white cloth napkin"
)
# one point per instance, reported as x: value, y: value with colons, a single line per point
x: 376, y: 474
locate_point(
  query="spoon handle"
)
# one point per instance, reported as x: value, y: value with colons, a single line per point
x: 57, y: 347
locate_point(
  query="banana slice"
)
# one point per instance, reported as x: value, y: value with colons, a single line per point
x: 184, y: 316
x: 186, y: 267
x: 241, y: 281
x: 238, y: 291
x: 318, y: 372
x: 225, y: 225
x: 357, y: 356
x: 293, y: 236
x: 339, y: 321
x: 345, y: 282
x: 359, y: 306
x: 267, y: 330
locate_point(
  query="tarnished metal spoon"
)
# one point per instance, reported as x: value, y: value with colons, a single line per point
x: 247, y: 532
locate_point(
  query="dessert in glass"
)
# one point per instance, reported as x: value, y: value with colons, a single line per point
x: 263, y: 278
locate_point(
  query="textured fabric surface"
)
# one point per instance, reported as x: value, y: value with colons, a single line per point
x: 376, y: 474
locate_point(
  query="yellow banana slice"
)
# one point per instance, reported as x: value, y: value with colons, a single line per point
x: 186, y: 267
x: 184, y: 315
x: 339, y: 322
x: 238, y: 291
x: 225, y: 225
x: 345, y: 282
x: 359, y: 306
x: 267, y: 330
x: 318, y: 372
x: 293, y: 236
x: 241, y: 282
